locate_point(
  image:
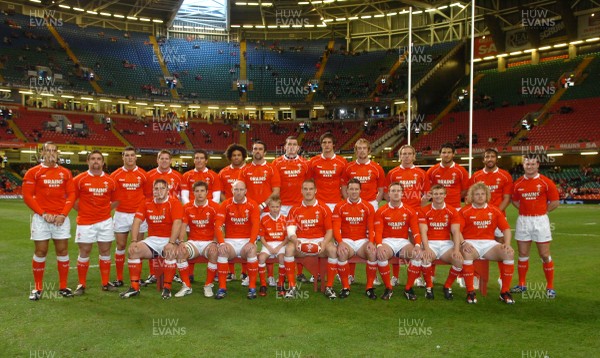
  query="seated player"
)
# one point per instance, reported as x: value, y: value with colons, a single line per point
x: 310, y: 227
x: 199, y: 216
x: 163, y: 214
x: 273, y: 235
x: 354, y: 232
x: 437, y: 222
x: 241, y: 218
x: 392, y: 222
x: 480, y: 221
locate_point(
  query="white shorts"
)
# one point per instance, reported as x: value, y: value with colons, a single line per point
x: 273, y: 244
x: 200, y: 246
x: 533, y: 228
x: 440, y: 247
x: 483, y: 246
x: 98, y: 232
x: 156, y: 244
x: 237, y: 244
x: 396, y: 244
x: 355, y: 244
x: 498, y: 233
x: 375, y: 204
x: 331, y: 206
x: 285, y: 209
x: 122, y: 223
x: 42, y: 231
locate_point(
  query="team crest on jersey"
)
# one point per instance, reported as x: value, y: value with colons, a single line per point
x: 61, y: 175
x: 539, y: 187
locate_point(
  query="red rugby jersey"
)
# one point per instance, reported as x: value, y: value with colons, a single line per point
x: 394, y: 222
x: 95, y: 194
x: 201, y: 220
x: 353, y: 221
x: 312, y: 222
x: 533, y: 194
x: 131, y: 186
x: 49, y: 190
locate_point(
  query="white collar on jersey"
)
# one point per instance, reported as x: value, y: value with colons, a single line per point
x: 395, y: 207
x: 334, y: 155
x: 354, y: 202
x: 232, y: 167
x: 403, y: 167
x: 451, y: 166
x: 442, y: 208
x: 534, y: 177
x: 366, y: 163
x: 260, y: 165
x: 133, y: 170
x: 45, y: 166
x: 290, y: 158
x: 205, y: 204
x: 243, y: 202
x: 167, y: 172
x: 203, y: 170
x: 493, y: 171
x: 480, y: 207
x: 277, y: 218
x: 315, y: 204
x: 101, y: 174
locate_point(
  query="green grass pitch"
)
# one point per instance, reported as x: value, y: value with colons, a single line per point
x: 99, y: 324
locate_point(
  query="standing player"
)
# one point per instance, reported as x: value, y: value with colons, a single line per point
x: 200, y: 173
x: 353, y: 230
x: 261, y: 178
x: 371, y: 177
x: 48, y: 190
x: 163, y: 213
x: 326, y: 170
x: 131, y: 184
x: 199, y: 216
x: 236, y: 154
x: 309, y: 224
x: 95, y: 199
x: 241, y: 217
x: 450, y: 175
x: 369, y: 173
x: 293, y: 170
x: 416, y: 186
x: 273, y: 237
x: 392, y: 222
x: 174, y: 180
x: 535, y: 196
x: 164, y: 171
x: 499, y: 182
x: 480, y: 221
x: 437, y: 222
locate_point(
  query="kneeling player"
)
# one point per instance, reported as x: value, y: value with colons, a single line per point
x: 273, y: 237
x: 163, y: 214
x: 310, y: 232
x: 437, y: 221
x: 199, y: 215
x: 392, y: 222
x: 480, y: 221
x: 241, y: 218
x: 354, y: 232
